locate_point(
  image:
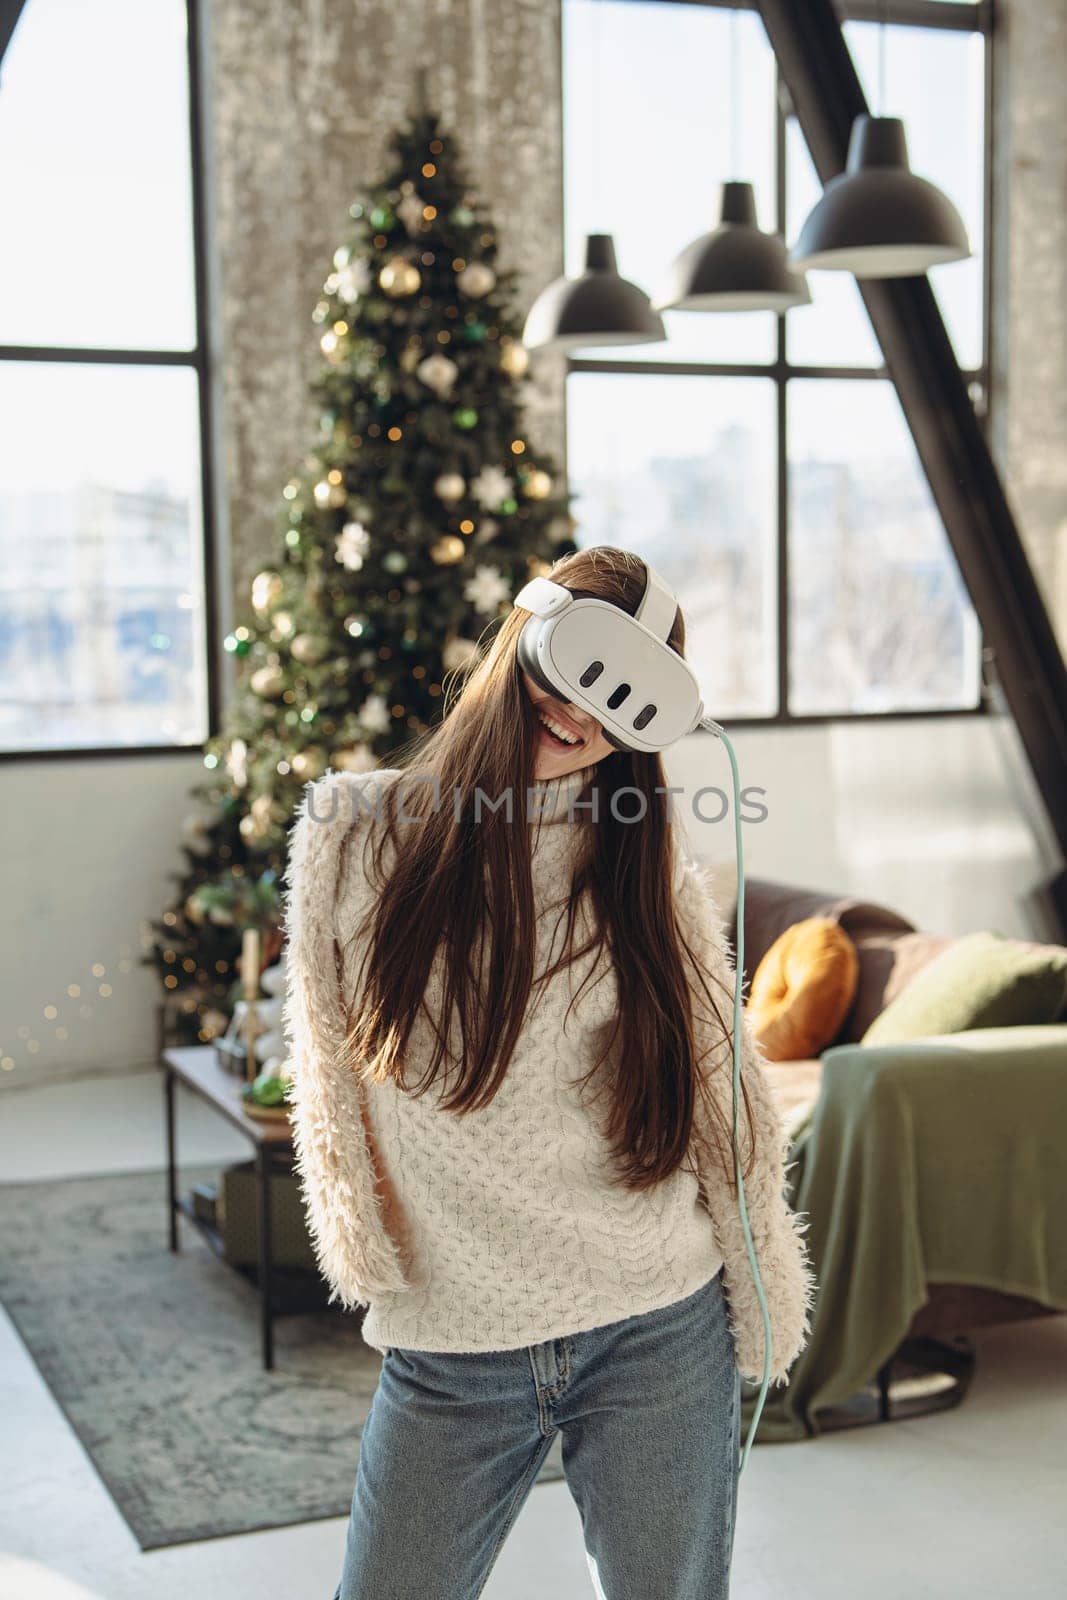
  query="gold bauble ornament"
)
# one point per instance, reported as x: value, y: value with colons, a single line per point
x: 309, y: 763
x: 447, y: 550
x: 266, y: 590
x: 514, y: 358
x: 268, y: 682
x: 400, y: 277
x: 194, y: 911
x: 476, y: 279
x: 260, y: 819
x: 309, y: 648
x: 450, y: 487
x: 537, y: 485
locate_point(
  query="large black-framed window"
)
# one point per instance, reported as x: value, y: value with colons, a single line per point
x: 107, y: 622
x: 763, y: 463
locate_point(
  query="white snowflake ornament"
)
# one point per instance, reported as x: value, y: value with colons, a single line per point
x: 237, y: 763
x: 486, y: 590
x: 352, y: 280
x: 352, y: 544
x: 457, y: 652
x: 374, y: 714
x: 438, y: 373
x: 410, y: 212
x: 491, y: 487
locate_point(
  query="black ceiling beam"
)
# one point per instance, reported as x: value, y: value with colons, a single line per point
x: 10, y: 11
x: 827, y: 96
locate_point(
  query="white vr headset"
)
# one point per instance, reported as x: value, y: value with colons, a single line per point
x: 615, y: 666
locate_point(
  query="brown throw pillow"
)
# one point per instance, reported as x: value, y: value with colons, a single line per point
x: 802, y: 989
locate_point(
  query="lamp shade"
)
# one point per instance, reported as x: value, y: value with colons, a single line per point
x: 598, y: 307
x: 877, y: 219
x: 735, y: 267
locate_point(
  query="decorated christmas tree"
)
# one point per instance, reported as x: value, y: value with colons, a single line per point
x: 417, y: 512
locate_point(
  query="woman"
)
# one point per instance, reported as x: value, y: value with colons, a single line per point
x: 535, y: 1199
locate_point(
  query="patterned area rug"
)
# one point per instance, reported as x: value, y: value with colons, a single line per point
x: 154, y: 1359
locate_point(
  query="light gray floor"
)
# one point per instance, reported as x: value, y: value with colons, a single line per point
x: 966, y: 1505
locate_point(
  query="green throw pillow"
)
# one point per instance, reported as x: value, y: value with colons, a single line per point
x: 982, y: 980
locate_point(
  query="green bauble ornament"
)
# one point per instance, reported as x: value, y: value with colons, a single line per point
x: 242, y: 647
x: 382, y: 217
x: 395, y: 561
x: 465, y: 417
x: 463, y: 216
x: 509, y: 505
x: 475, y: 332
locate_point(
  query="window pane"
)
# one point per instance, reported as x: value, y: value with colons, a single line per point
x: 934, y: 82
x: 656, y: 79
x: 681, y: 471
x: 95, y: 177
x: 879, y: 619
x: 102, y: 624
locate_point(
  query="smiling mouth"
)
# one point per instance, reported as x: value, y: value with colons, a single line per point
x: 561, y: 736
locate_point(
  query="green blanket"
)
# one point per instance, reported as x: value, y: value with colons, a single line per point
x: 941, y: 1160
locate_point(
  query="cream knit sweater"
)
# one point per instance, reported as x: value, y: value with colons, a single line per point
x: 513, y: 1232
x: 499, y: 1228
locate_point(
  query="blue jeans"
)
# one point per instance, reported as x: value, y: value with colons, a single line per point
x: 649, y: 1412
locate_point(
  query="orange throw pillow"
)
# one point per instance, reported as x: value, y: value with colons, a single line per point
x: 802, y: 989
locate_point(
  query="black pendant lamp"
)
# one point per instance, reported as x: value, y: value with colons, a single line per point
x: 596, y: 308
x: 877, y: 219
x: 735, y: 267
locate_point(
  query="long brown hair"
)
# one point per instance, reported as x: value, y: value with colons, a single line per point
x: 460, y: 901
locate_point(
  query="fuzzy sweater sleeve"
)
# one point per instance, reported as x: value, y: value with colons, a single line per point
x: 789, y: 1283
x: 333, y: 1158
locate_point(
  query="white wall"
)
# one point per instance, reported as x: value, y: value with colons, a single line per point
x: 87, y: 846
x: 925, y: 816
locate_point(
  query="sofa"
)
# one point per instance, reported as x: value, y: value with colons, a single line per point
x: 824, y: 1098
